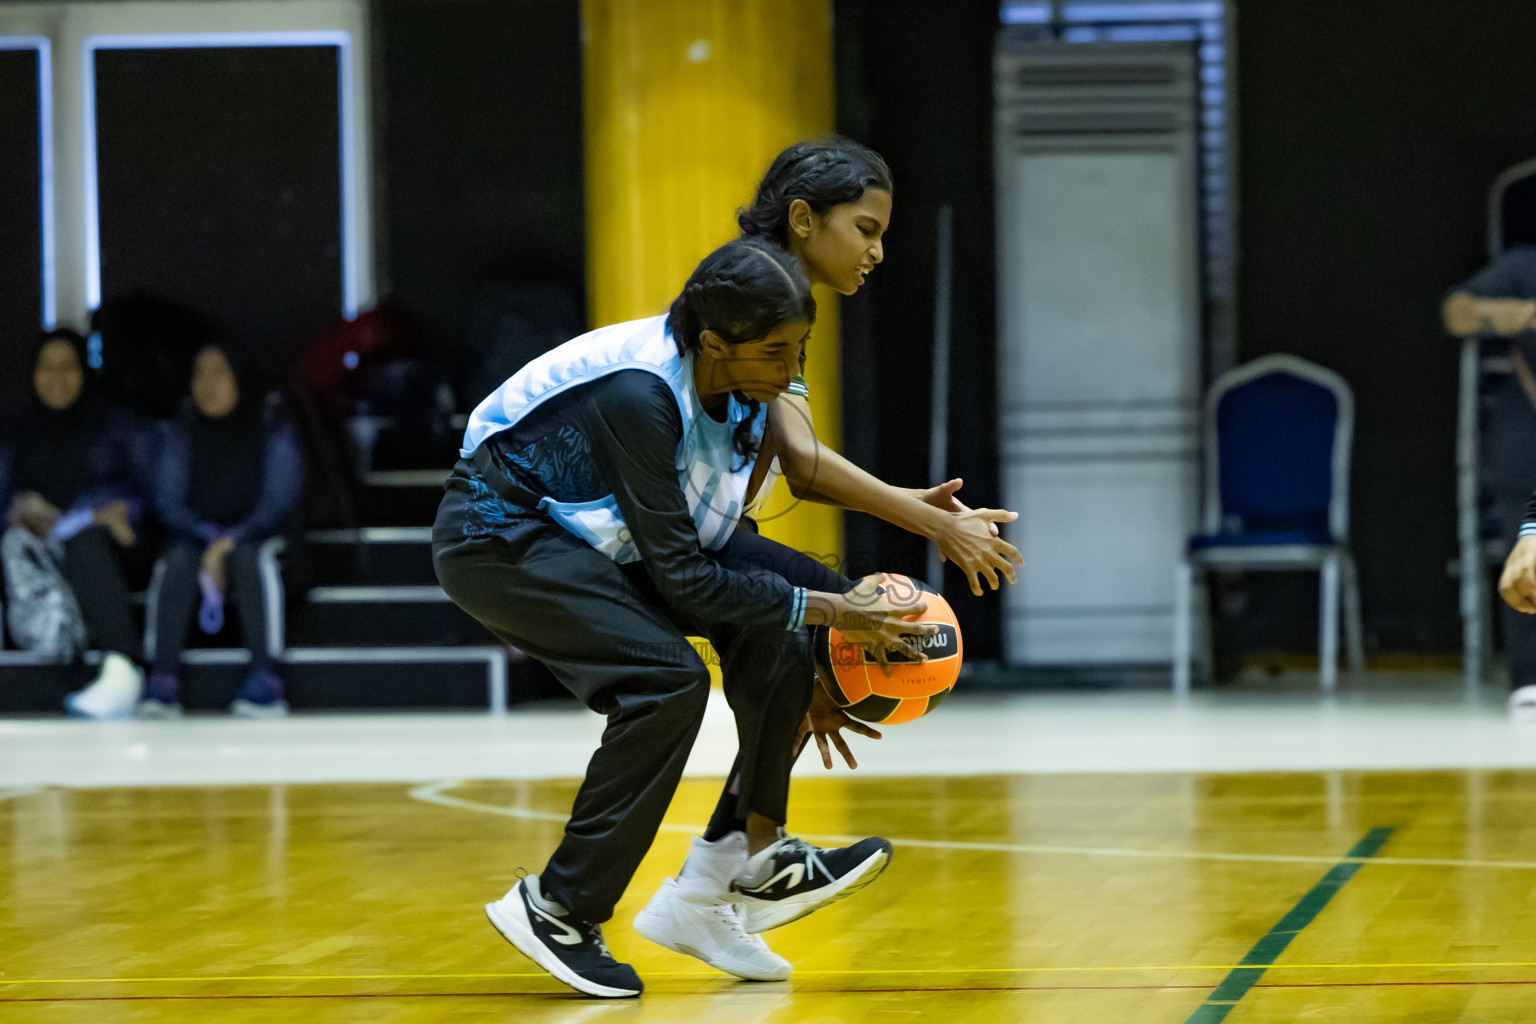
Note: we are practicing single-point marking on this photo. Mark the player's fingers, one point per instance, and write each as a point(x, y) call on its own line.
point(826, 755)
point(897, 644)
point(974, 579)
point(903, 644)
point(862, 729)
point(881, 659)
point(842, 748)
point(997, 515)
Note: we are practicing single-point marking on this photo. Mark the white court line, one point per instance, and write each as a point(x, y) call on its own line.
point(434, 793)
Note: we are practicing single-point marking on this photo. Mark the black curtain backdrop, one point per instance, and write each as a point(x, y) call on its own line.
point(482, 195)
point(21, 283)
point(1369, 133)
point(914, 81)
point(219, 175)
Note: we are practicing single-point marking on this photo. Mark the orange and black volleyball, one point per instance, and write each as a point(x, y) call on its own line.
point(859, 684)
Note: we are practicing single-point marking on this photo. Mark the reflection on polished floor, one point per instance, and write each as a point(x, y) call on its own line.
point(1359, 896)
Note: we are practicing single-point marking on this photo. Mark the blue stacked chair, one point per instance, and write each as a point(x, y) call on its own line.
point(1278, 436)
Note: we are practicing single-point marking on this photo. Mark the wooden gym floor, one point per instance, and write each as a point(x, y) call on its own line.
point(1105, 898)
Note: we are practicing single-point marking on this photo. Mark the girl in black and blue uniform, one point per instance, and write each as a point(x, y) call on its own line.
point(590, 524)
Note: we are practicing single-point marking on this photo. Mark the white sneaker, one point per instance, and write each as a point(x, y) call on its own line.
point(112, 694)
point(710, 867)
point(1522, 704)
point(700, 924)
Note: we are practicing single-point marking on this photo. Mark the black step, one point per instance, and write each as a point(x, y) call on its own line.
point(370, 557)
point(382, 624)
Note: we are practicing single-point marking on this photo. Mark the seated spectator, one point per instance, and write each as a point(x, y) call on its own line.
point(1497, 303)
point(227, 477)
point(69, 483)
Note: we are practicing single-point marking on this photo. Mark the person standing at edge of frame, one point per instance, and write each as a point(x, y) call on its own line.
point(1499, 303)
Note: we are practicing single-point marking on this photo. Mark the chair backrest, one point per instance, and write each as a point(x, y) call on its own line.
point(1512, 208)
point(1278, 434)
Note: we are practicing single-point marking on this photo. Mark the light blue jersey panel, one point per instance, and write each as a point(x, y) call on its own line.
point(707, 473)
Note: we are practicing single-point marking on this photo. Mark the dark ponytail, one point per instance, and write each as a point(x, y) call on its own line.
point(825, 172)
point(742, 291)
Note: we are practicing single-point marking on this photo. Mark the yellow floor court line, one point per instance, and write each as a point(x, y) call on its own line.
point(1127, 968)
point(436, 793)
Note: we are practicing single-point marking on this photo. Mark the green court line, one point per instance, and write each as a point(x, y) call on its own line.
point(1268, 949)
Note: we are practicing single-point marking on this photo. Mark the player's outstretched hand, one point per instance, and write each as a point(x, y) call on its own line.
point(970, 541)
point(979, 555)
point(824, 720)
point(1517, 584)
point(942, 496)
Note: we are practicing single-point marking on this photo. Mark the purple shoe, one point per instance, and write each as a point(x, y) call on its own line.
point(162, 697)
point(261, 697)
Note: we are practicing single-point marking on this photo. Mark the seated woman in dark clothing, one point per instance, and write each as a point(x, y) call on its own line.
point(227, 478)
point(71, 471)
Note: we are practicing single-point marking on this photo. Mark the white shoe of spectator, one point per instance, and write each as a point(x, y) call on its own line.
point(112, 694)
point(1522, 704)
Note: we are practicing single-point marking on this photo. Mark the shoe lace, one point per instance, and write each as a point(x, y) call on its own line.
point(730, 915)
point(812, 855)
point(594, 935)
point(591, 932)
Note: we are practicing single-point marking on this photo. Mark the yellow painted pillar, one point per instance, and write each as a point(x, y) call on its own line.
point(686, 102)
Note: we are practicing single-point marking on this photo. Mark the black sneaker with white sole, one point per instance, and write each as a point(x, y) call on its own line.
point(791, 878)
point(570, 949)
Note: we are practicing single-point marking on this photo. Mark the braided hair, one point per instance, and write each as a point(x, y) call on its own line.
point(825, 172)
point(742, 291)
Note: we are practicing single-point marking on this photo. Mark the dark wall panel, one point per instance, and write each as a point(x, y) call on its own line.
point(915, 82)
point(480, 166)
point(21, 269)
point(1369, 134)
point(219, 176)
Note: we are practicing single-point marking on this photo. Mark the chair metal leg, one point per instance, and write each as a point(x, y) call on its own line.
point(1354, 631)
point(272, 594)
point(1204, 627)
point(1474, 602)
point(1183, 625)
point(151, 609)
point(1328, 639)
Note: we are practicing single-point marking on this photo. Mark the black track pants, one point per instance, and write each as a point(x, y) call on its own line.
point(179, 597)
point(604, 633)
point(749, 549)
point(93, 567)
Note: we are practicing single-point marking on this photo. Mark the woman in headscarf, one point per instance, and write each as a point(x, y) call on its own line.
point(227, 478)
point(70, 479)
